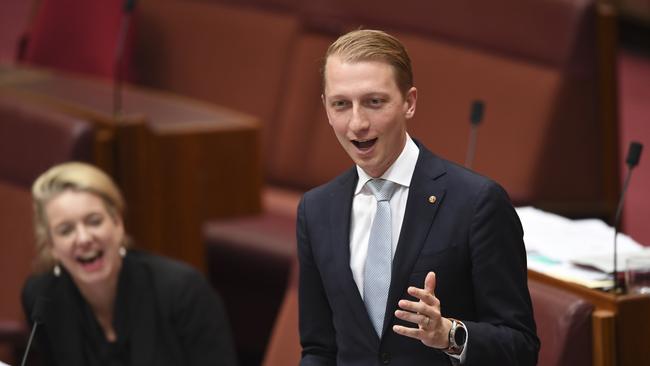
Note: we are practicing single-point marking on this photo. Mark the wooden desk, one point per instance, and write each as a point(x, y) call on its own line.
point(621, 324)
point(178, 161)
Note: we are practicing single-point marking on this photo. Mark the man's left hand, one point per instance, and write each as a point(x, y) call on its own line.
point(432, 329)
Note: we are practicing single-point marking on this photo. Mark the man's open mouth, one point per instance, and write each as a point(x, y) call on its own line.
point(366, 144)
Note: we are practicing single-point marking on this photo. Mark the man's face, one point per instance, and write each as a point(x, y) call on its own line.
point(367, 111)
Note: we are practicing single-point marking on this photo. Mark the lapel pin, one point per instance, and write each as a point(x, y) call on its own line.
point(432, 199)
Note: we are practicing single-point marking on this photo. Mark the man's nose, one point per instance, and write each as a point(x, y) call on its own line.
point(358, 119)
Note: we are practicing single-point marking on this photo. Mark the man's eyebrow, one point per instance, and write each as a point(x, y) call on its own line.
point(375, 94)
point(336, 96)
point(365, 95)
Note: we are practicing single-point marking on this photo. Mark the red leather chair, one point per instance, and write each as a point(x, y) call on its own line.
point(284, 345)
point(260, 279)
point(564, 326)
point(78, 36)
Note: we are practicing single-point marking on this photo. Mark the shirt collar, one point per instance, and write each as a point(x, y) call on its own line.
point(400, 172)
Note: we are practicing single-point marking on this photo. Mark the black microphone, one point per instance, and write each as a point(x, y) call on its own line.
point(38, 317)
point(127, 10)
point(632, 160)
point(128, 6)
point(475, 118)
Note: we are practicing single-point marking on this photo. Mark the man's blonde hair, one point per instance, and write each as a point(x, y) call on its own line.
point(74, 176)
point(373, 45)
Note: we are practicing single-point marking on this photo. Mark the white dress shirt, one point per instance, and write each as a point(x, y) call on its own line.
point(364, 206)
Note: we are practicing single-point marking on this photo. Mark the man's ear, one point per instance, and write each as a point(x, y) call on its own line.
point(411, 101)
point(322, 98)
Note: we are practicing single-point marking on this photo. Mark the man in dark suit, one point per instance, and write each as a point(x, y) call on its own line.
point(405, 259)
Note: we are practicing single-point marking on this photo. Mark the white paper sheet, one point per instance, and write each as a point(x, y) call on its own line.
point(563, 247)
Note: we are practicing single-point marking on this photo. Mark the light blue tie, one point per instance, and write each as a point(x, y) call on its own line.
point(377, 273)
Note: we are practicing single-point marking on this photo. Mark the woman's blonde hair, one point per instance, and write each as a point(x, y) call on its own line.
point(74, 176)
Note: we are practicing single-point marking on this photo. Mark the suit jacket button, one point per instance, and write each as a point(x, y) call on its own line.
point(385, 358)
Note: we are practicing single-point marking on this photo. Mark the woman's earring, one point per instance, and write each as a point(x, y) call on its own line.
point(122, 252)
point(56, 270)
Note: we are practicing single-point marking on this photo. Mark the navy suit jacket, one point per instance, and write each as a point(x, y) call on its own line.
point(470, 237)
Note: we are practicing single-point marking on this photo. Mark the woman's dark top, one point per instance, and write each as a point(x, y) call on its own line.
point(165, 313)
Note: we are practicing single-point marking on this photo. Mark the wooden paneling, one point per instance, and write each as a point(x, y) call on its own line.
point(604, 338)
point(177, 161)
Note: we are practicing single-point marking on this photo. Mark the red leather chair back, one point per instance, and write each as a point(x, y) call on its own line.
point(284, 345)
point(78, 36)
point(33, 138)
point(563, 326)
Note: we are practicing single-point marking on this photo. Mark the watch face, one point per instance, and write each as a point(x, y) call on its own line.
point(460, 335)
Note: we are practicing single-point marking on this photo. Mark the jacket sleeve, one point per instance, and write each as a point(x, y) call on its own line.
point(317, 335)
point(504, 332)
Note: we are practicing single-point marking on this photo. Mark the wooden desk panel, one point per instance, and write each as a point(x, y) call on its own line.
point(177, 161)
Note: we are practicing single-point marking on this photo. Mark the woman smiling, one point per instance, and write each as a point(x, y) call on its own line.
point(106, 304)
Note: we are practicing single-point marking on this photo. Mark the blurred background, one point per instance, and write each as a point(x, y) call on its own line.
point(208, 115)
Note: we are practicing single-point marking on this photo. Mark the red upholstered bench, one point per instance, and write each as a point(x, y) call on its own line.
point(564, 326)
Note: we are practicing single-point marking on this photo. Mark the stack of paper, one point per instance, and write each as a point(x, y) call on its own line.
point(580, 251)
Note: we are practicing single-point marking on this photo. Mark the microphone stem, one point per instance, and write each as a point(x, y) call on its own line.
point(471, 148)
point(118, 77)
point(29, 344)
point(617, 220)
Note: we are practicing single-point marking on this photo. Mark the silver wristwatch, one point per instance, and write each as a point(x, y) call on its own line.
point(457, 337)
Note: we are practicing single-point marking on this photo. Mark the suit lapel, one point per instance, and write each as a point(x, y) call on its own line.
point(418, 218)
point(341, 209)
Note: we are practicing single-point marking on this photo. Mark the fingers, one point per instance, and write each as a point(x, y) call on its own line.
point(434, 339)
point(430, 310)
point(425, 294)
point(420, 319)
point(425, 313)
point(428, 304)
point(415, 333)
point(430, 283)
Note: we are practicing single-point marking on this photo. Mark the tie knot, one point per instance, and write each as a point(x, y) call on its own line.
point(382, 189)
